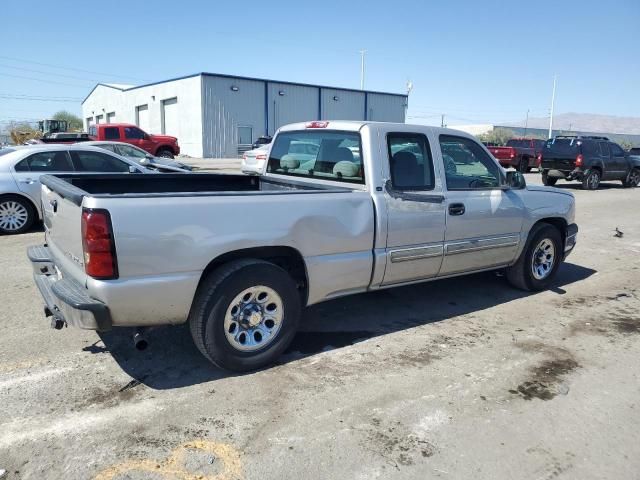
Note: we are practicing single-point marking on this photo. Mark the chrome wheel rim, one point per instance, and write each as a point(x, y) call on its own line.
point(594, 180)
point(13, 215)
point(253, 318)
point(634, 178)
point(543, 259)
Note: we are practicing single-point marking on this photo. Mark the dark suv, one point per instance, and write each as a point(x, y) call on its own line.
point(587, 159)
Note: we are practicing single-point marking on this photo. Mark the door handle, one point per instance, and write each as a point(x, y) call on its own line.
point(28, 181)
point(456, 209)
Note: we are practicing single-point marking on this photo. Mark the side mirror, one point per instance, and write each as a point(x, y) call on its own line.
point(515, 179)
point(145, 161)
point(133, 169)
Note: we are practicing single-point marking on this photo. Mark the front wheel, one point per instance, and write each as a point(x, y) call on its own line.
point(633, 179)
point(165, 153)
point(245, 314)
point(539, 261)
point(547, 180)
point(591, 180)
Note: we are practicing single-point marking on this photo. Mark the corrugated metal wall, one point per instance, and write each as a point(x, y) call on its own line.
point(290, 104)
point(225, 109)
point(342, 104)
point(386, 108)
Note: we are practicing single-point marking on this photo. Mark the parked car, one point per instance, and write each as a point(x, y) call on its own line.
point(520, 153)
point(238, 257)
point(22, 167)
point(156, 145)
point(263, 140)
point(254, 161)
point(145, 159)
point(588, 159)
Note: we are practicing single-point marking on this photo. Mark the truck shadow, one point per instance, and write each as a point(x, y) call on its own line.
point(172, 360)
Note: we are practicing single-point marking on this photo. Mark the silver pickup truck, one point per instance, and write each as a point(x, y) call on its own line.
point(376, 205)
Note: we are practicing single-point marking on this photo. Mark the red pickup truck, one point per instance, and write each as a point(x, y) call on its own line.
point(156, 145)
point(520, 153)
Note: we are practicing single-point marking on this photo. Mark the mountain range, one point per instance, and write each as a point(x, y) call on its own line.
point(587, 122)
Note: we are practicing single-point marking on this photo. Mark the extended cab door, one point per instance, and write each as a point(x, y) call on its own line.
point(483, 218)
point(415, 209)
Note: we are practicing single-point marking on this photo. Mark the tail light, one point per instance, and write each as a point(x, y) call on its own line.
point(262, 156)
point(539, 160)
point(98, 245)
point(579, 160)
point(244, 156)
point(317, 124)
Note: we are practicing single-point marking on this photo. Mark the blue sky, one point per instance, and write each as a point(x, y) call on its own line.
point(476, 62)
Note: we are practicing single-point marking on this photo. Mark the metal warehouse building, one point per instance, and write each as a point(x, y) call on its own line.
point(221, 115)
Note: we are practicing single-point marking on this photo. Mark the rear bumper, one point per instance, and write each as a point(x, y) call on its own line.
point(573, 174)
point(66, 300)
point(570, 240)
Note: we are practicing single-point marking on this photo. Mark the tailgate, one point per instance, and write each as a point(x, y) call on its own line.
point(558, 161)
point(62, 222)
point(501, 153)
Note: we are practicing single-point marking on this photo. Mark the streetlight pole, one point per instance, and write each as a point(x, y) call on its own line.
point(526, 124)
point(553, 99)
point(362, 52)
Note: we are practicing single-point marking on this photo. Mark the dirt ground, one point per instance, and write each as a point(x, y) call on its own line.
point(456, 379)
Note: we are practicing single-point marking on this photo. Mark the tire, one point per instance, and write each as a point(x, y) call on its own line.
point(17, 215)
point(525, 273)
point(547, 180)
point(632, 180)
point(523, 165)
point(165, 153)
point(591, 181)
point(218, 332)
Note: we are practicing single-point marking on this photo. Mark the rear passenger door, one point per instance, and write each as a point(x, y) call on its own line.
point(27, 172)
point(415, 210)
point(483, 218)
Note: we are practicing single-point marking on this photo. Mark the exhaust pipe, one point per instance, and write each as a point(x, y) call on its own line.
point(139, 340)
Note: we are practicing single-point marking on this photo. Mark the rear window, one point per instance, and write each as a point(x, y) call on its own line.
point(519, 143)
point(563, 145)
point(324, 154)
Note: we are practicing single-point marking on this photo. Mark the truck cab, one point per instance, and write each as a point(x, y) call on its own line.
point(156, 145)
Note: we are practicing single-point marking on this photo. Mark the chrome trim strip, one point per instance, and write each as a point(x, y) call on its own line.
point(454, 248)
point(415, 253)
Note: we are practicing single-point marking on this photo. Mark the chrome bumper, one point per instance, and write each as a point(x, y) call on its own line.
point(66, 301)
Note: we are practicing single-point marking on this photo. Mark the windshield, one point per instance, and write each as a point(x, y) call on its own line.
point(325, 154)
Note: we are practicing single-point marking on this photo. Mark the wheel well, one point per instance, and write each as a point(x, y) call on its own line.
point(598, 168)
point(558, 222)
point(162, 148)
point(22, 197)
point(287, 258)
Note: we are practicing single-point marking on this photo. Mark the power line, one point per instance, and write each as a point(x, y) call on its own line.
point(28, 96)
point(50, 73)
point(60, 67)
point(44, 81)
point(41, 99)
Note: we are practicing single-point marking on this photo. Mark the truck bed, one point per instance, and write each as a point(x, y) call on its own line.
point(75, 187)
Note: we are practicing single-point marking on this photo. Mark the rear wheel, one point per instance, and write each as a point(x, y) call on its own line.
point(165, 153)
point(633, 179)
point(16, 214)
point(547, 180)
point(539, 261)
point(591, 180)
point(245, 314)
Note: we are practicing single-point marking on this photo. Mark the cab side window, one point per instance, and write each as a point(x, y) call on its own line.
point(616, 150)
point(45, 162)
point(410, 162)
point(134, 133)
point(86, 161)
point(467, 165)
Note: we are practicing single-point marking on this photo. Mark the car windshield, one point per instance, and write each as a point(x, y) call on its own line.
point(563, 145)
point(324, 154)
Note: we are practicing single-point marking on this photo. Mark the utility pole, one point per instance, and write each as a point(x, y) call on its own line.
point(526, 124)
point(553, 99)
point(362, 52)
point(442, 121)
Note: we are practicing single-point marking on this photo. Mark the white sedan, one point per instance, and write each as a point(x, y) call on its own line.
point(255, 161)
point(21, 168)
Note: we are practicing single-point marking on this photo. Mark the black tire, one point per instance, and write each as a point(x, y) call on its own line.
point(523, 165)
point(521, 274)
point(165, 153)
point(547, 180)
point(591, 181)
point(20, 207)
point(632, 180)
point(214, 298)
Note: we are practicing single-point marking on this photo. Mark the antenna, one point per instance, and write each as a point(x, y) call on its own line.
point(362, 52)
